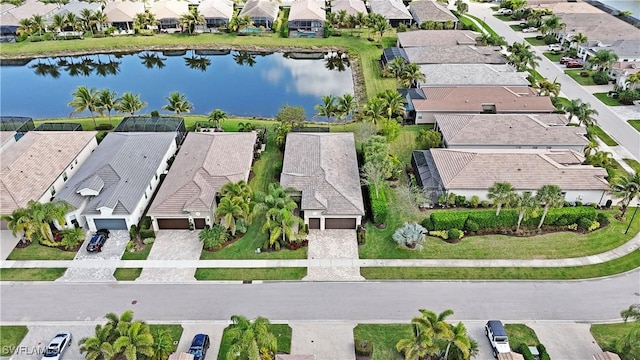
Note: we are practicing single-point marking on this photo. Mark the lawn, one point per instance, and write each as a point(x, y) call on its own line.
point(31, 274)
point(607, 334)
point(174, 330)
point(35, 251)
point(384, 338)
point(635, 124)
point(138, 255)
point(503, 17)
point(466, 21)
point(553, 56)
point(609, 101)
point(280, 273)
point(519, 333)
point(518, 28)
point(634, 164)
point(281, 331)
point(127, 274)
point(483, 24)
point(10, 338)
point(533, 41)
point(582, 80)
point(603, 135)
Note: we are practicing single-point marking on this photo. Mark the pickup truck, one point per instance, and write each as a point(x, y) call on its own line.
point(497, 337)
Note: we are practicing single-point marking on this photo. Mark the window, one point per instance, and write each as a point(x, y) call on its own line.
point(548, 147)
point(145, 195)
point(52, 190)
point(64, 176)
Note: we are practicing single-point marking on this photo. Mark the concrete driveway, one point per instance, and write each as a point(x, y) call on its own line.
point(567, 341)
point(113, 249)
point(329, 254)
point(327, 341)
point(38, 337)
point(173, 245)
point(214, 330)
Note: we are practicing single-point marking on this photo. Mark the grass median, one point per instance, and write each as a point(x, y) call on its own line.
point(251, 274)
point(635, 124)
point(603, 135)
point(127, 274)
point(605, 99)
point(31, 274)
point(10, 338)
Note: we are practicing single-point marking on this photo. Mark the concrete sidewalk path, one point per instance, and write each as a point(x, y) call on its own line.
point(327, 341)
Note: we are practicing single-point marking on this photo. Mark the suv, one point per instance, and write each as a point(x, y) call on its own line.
point(497, 337)
point(199, 346)
point(97, 240)
point(57, 346)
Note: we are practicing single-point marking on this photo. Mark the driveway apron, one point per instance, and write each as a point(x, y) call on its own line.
point(113, 249)
point(333, 256)
point(567, 341)
point(214, 330)
point(327, 341)
point(173, 245)
point(38, 337)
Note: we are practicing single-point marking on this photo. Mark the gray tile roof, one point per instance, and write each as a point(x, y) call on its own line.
point(437, 37)
point(454, 54)
point(390, 9)
point(126, 163)
point(425, 10)
point(598, 26)
point(509, 129)
point(625, 49)
point(324, 167)
point(216, 9)
point(472, 74)
point(307, 10)
point(261, 9)
point(123, 11)
point(352, 7)
point(462, 99)
point(205, 163)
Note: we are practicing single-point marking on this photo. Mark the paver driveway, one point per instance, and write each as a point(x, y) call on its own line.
point(327, 251)
point(173, 245)
point(38, 338)
point(112, 250)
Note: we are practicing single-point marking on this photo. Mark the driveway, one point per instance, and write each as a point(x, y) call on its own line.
point(330, 256)
point(8, 242)
point(567, 341)
point(327, 341)
point(214, 330)
point(113, 249)
point(173, 245)
point(38, 337)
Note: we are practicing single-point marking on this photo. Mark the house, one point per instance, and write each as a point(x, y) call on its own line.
point(7, 138)
point(479, 99)
point(394, 11)
point(114, 186)
point(121, 14)
point(421, 38)
point(454, 54)
point(262, 12)
point(168, 13)
point(431, 10)
point(472, 172)
point(472, 75)
point(162, 123)
point(206, 162)
point(307, 16)
point(39, 164)
point(627, 50)
point(621, 71)
point(18, 124)
point(510, 131)
point(322, 169)
point(351, 7)
point(76, 8)
point(217, 13)
point(27, 10)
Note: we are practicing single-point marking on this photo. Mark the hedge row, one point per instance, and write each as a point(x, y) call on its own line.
point(379, 208)
point(487, 219)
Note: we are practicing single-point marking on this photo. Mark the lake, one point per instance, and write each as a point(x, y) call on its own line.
point(238, 82)
point(625, 5)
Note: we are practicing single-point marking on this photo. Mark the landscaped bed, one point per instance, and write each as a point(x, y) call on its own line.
point(582, 80)
point(384, 338)
point(603, 136)
point(35, 251)
point(250, 274)
point(281, 331)
point(31, 274)
point(635, 124)
point(10, 338)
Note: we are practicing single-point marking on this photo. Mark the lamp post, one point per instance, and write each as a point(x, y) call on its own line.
point(632, 217)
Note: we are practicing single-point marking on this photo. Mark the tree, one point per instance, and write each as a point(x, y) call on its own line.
point(25, 27)
point(378, 24)
point(72, 237)
point(457, 342)
point(522, 55)
point(374, 110)
point(86, 99)
point(134, 342)
point(501, 193)
point(292, 115)
point(394, 68)
point(162, 345)
point(57, 23)
point(547, 87)
point(600, 159)
point(572, 108)
point(129, 103)
point(191, 19)
point(217, 117)
point(232, 209)
point(97, 346)
point(373, 175)
point(37, 24)
point(526, 204)
point(280, 131)
point(107, 100)
point(327, 108)
point(251, 339)
point(428, 330)
point(602, 59)
point(410, 235)
point(19, 222)
point(626, 188)
point(280, 222)
point(579, 39)
point(411, 75)
point(121, 338)
point(551, 25)
point(428, 138)
point(551, 197)
point(462, 7)
point(346, 106)
point(393, 103)
point(87, 19)
point(586, 114)
point(177, 103)
point(237, 189)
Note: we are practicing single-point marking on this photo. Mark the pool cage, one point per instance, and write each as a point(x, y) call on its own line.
point(54, 126)
point(154, 124)
point(20, 124)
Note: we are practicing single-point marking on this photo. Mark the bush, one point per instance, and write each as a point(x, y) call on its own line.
point(584, 223)
point(594, 226)
point(550, 39)
point(471, 226)
point(578, 203)
point(133, 232)
point(602, 218)
point(145, 222)
point(401, 28)
point(584, 74)
point(131, 246)
point(475, 201)
point(148, 241)
point(544, 355)
point(147, 233)
point(241, 226)
point(487, 219)
point(427, 224)
point(410, 235)
point(526, 353)
point(485, 203)
point(460, 200)
point(379, 206)
point(213, 237)
point(601, 78)
point(455, 234)
point(443, 234)
point(363, 347)
point(100, 136)
point(104, 127)
point(444, 220)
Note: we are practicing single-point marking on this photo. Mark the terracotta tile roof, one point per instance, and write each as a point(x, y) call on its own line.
point(205, 163)
point(454, 54)
point(437, 37)
point(471, 98)
point(31, 165)
point(425, 10)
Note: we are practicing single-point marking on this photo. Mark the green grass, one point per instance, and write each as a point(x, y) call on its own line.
point(635, 165)
point(281, 273)
point(609, 101)
point(384, 338)
point(575, 75)
point(35, 251)
point(564, 101)
point(10, 338)
point(282, 332)
point(466, 21)
point(536, 74)
point(174, 330)
point(603, 136)
point(503, 17)
point(553, 56)
point(517, 28)
point(635, 124)
point(533, 41)
point(31, 274)
point(138, 255)
point(519, 333)
point(483, 24)
point(607, 334)
point(127, 274)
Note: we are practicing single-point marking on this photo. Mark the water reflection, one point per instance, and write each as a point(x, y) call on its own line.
point(84, 66)
point(197, 62)
point(152, 60)
point(245, 58)
point(338, 61)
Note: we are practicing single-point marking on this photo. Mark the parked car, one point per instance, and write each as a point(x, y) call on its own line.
point(199, 346)
point(57, 346)
point(497, 337)
point(505, 11)
point(573, 64)
point(97, 240)
point(555, 47)
point(530, 29)
point(566, 59)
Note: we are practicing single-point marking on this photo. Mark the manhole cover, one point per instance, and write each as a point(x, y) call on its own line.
point(134, 302)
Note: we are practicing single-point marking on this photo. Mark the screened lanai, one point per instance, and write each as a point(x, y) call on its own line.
point(154, 124)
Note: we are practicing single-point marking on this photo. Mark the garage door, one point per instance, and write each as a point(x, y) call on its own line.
point(314, 223)
point(200, 223)
point(111, 224)
point(340, 223)
point(173, 224)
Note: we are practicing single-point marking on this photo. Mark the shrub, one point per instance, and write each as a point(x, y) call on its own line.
point(460, 200)
point(241, 226)
point(131, 246)
point(594, 226)
point(427, 224)
point(72, 237)
point(100, 136)
point(573, 227)
point(601, 78)
point(584, 223)
point(471, 226)
point(443, 234)
point(363, 347)
point(455, 234)
point(550, 39)
point(104, 127)
point(578, 203)
point(379, 206)
point(133, 232)
point(410, 235)
point(213, 237)
point(147, 233)
point(475, 201)
point(544, 355)
point(485, 203)
point(145, 222)
point(444, 220)
point(526, 353)
point(602, 218)
point(362, 234)
point(584, 74)
point(148, 241)
point(401, 28)
point(487, 219)
point(562, 221)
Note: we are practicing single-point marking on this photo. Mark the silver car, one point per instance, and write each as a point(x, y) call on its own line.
point(57, 346)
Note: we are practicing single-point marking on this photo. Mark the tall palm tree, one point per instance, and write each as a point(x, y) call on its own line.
point(162, 345)
point(551, 197)
point(572, 108)
point(579, 39)
point(98, 346)
point(591, 148)
point(282, 227)
point(178, 103)
point(626, 188)
point(37, 22)
point(551, 25)
point(217, 117)
point(130, 103)
point(191, 19)
point(411, 76)
point(394, 68)
point(586, 114)
point(374, 110)
point(232, 209)
point(501, 193)
point(87, 19)
point(547, 87)
point(100, 19)
point(72, 21)
point(251, 339)
point(521, 55)
point(237, 189)
point(346, 106)
point(327, 107)
point(25, 27)
point(428, 330)
point(602, 59)
point(393, 103)
point(107, 99)
point(457, 341)
point(86, 99)
point(57, 23)
point(600, 159)
point(632, 80)
point(136, 342)
point(20, 223)
point(526, 204)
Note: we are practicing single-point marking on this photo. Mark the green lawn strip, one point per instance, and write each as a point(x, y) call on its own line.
point(635, 124)
point(617, 266)
point(468, 23)
point(564, 101)
point(607, 334)
point(174, 330)
point(609, 101)
point(384, 338)
point(520, 333)
point(518, 28)
point(127, 274)
point(575, 75)
point(483, 24)
point(532, 40)
point(281, 273)
point(35, 251)
point(618, 170)
point(634, 164)
point(553, 56)
point(31, 274)
point(282, 332)
point(10, 338)
point(603, 136)
point(536, 74)
point(503, 17)
point(138, 255)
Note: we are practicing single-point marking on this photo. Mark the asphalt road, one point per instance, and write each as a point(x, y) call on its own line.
point(587, 300)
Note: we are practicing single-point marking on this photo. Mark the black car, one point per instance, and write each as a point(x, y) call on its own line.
point(199, 346)
point(97, 240)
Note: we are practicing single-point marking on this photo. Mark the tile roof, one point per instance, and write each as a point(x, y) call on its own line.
point(205, 163)
point(471, 98)
point(307, 10)
point(437, 37)
point(123, 11)
point(352, 7)
point(75, 7)
point(524, 169)
point(390, 9)
point(125, 163)
point(216, 9)
point(324, 167)
point(30, 166)
point(425, 10)
point(629, 49)
point(27, 10)
point(472, 75)
point(169, 9)
point(454, 54)
point(6, 136)
point(260, 9)
point(509, 129)
point(598, 26)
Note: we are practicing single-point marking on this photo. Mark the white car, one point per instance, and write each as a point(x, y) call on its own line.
point(505, 11)
point(497, 337)
point(530, 29)
point(555, 47)
point(57, 346)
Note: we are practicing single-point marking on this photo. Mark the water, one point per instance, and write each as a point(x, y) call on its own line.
point(239, 83)
point(624, 5)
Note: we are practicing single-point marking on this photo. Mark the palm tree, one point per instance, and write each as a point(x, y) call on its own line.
point(87, 19)
point(25, 27)
point(72, 21)
point(579, 39)
point(591, 148)
point(237, 189)
point(393, 103)
point(374, 110)
point(251, 339)
point(217, 117)
point(458, 341)
point(394, 68)
point(57, 22)
point(551, 197)
point(98, 346)
point(38, 24)
point(602, 59)
point(136, 342)
point(547, 87)
point(162, 345)
point(632, 80)
point(585, 114)
point(232, 209)
point(19, 222)
point(526, 204)
point(412, 75)
point(177, 103)
point(600, 159)
point(572, 108)
point(100, 19)
point(428, 330)
point(282, 227)
point(107, 99)
point(346, 106)
point(626, 188)
point(86, 99)
point(378, 24)
point(192, 19)
point(521, 55)
point(551, 24)
point(129, 103)
point(462, 6)
point(501, 193)
point(327, 108)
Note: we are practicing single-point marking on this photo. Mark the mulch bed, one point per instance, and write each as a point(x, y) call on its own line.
point(225, 244)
